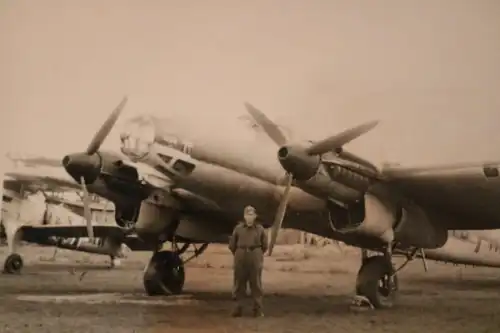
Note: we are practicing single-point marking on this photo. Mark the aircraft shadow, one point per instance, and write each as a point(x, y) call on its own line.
point(454, 283)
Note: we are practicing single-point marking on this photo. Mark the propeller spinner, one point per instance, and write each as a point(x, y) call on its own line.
point(85, 167)
point(295, 159)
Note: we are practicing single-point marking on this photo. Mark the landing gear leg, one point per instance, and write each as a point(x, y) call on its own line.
point(364, 255)
point(115, 247)
point(114, 262)
point(377, 280)
point(54, 255)
point(14, 262)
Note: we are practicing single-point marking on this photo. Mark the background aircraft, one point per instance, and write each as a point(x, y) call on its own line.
point(165, 188)
point(485, 240)
point(30, 213)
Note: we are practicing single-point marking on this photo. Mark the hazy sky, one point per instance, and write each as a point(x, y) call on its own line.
point(428, 69)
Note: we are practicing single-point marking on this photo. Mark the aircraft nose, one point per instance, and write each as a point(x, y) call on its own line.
point(82, 165)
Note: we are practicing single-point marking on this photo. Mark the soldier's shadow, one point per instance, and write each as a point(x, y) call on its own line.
point(281, 305)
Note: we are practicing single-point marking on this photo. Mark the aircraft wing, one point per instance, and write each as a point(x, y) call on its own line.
point(34, 232)
point(471, 193)
point(33, 181)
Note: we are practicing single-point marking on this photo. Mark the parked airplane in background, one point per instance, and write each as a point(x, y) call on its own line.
point(24, 218)
point(485, 240)
point(461, 249)
point(165, 188)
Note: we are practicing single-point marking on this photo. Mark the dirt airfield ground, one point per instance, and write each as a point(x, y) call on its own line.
point(308, 290)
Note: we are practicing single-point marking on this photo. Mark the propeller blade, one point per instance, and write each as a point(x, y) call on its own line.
point(106, 127)
point(271, 129)
point(337, 141)
point(86, 210)
point(280, 214)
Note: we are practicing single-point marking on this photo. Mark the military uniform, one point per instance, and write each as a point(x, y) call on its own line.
point(248, 245)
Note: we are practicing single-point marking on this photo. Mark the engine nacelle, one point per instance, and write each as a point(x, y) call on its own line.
point(389, 220)
point(152, 217)
point(368, 217)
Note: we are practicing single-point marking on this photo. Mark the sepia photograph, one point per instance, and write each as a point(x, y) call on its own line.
point(250, 166)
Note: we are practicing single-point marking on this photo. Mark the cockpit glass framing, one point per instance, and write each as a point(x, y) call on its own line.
point(137, 137)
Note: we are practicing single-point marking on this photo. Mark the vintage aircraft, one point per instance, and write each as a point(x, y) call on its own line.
point(489, 238)
point(461, 249)
point(165, 188)
point(40, 221)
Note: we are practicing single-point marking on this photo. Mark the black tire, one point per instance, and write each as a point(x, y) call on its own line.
point(13, 264)
point(3, 234)
point(370, 282)
point(164, 274)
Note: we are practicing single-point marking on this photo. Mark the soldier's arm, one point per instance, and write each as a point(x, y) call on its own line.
point(233, 240)
point(264, 240)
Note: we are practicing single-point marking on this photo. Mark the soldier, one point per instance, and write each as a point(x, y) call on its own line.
point(248, 244)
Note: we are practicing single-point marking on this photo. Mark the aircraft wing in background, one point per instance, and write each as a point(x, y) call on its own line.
point(34, 180)
point(32, 233)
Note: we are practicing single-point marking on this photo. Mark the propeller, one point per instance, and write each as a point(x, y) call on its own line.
point(280, 214)
point(274, 132)
point(86, 210)
point(271, 129)
point(106, 127)
point(335, 142)
point(87, 164)
point(84, 167)
point(332, 143)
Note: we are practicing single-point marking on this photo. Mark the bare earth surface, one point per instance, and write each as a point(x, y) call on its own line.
point(308, 290)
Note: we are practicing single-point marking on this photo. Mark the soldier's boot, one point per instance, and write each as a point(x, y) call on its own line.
point(257, 307)
point(258, 313)
point(237, 311)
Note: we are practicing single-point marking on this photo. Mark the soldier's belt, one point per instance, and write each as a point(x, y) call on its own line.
point(249, 248)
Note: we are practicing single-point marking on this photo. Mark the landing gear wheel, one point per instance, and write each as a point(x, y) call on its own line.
point(164, 275)
point(13, 264)
point(375, 283)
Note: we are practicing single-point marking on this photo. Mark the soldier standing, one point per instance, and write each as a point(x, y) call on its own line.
point(248, 244)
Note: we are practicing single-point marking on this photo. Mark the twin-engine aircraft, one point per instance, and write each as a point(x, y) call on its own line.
point(167, 189)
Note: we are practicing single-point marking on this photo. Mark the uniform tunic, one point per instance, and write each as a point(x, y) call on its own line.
point(248, 245)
